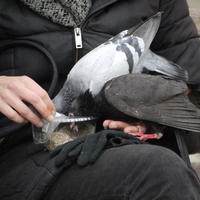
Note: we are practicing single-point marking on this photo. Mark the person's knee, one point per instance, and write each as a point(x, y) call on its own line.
point(158, 167)
point(159, 160)
point(166, 162)
point(162, 157)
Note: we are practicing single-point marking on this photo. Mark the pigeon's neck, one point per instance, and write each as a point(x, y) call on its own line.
point(97, 106)
point(86, 105)
point(106, 110)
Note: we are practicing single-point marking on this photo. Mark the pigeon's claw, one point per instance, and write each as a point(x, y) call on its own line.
point(74, 127)
point(71, 114)
point(145, 136)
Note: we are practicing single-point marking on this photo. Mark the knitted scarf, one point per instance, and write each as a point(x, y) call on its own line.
point(65, 12)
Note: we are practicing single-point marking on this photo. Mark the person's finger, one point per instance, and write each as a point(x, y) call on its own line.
point(136, 128)
point(106, 123)
point(39, 105)
point(28, 90)
point(126, 127)
point(16, 110)
point(111, 124)
point(15, 91)
point(37, 89)
point(131, 129)
point(11, 114)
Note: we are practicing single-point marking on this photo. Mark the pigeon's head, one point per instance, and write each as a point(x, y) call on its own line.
point(66, 96)
point(78, 109)
point(62, 102)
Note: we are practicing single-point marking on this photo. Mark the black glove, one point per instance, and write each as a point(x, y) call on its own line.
point(87, 149)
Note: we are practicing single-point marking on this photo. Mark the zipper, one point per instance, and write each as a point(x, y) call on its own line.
point(78, 38)
point(77, 30)
point(78, 41)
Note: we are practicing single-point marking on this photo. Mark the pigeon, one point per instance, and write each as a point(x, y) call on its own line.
point(142, 97)
point(127, 52)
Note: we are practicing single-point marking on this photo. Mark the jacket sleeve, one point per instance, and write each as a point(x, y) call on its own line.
point(178, 39)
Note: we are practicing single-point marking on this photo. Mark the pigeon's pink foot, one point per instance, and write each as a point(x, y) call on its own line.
point(145, 136)
point(73, 126)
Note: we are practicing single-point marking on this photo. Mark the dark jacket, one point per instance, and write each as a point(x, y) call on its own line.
point(177, 40)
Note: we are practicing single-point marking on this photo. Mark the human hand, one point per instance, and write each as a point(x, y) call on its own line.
point(140, 130)
point(126, 127)
point(15, 91)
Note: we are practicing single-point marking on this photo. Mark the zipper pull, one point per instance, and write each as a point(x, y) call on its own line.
point(78, 38)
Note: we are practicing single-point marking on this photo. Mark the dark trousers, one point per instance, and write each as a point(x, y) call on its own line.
point(136, 172)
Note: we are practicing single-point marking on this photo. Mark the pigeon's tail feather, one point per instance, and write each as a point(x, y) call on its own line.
point(147, 29)
point(169, 68)
point(176, 73)
point(187, 118)
point(159, 64)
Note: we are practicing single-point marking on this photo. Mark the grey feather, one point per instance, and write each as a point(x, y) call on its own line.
point(156, 63)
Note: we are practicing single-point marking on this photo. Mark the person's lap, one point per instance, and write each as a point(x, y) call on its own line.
point(128, 172)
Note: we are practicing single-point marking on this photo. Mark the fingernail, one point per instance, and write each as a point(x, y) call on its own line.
point(40, 124)
point(50, 118)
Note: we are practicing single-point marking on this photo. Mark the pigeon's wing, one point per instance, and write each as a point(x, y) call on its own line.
point(156, 63)
point(153, 98)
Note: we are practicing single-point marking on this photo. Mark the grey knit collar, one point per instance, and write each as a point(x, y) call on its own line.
point(65, 12)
